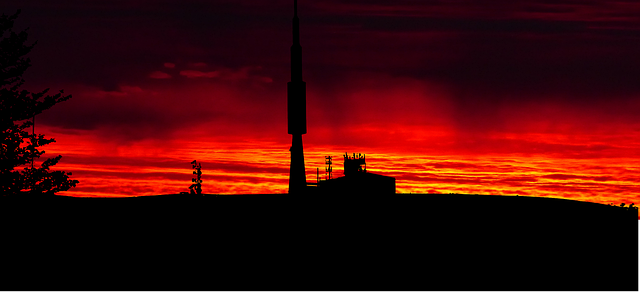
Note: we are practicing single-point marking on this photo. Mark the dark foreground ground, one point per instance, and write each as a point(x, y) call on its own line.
point(501, 212)
point(325, 240)
point(474, 217)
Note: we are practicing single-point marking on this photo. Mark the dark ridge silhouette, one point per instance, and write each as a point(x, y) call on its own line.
point(414, 213)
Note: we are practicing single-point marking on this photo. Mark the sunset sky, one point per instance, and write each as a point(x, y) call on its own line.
point(536, 98)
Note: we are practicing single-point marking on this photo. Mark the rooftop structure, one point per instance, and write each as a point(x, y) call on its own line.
point(357, 180)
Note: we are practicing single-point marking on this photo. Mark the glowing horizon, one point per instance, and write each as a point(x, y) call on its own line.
point(261, 166)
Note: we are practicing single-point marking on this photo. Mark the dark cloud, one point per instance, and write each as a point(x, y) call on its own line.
point(159, 75)
point(133, 113)
point(197, 74)
point(488, 53)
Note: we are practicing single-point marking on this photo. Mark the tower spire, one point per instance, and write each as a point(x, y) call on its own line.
point(296, 49)
point(296, 110)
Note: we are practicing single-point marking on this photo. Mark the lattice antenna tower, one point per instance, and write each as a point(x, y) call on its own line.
point(196, 187)
point(328, 167)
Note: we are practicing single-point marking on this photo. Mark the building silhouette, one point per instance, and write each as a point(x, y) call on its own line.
point(357, 180)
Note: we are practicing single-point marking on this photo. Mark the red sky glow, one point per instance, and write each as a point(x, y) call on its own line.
point(528, 98)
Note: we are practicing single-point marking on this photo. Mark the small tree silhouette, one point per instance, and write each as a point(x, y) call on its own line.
point(196, 188)
point(18, 109)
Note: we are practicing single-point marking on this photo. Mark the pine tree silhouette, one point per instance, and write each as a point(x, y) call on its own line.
point(18, 109)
